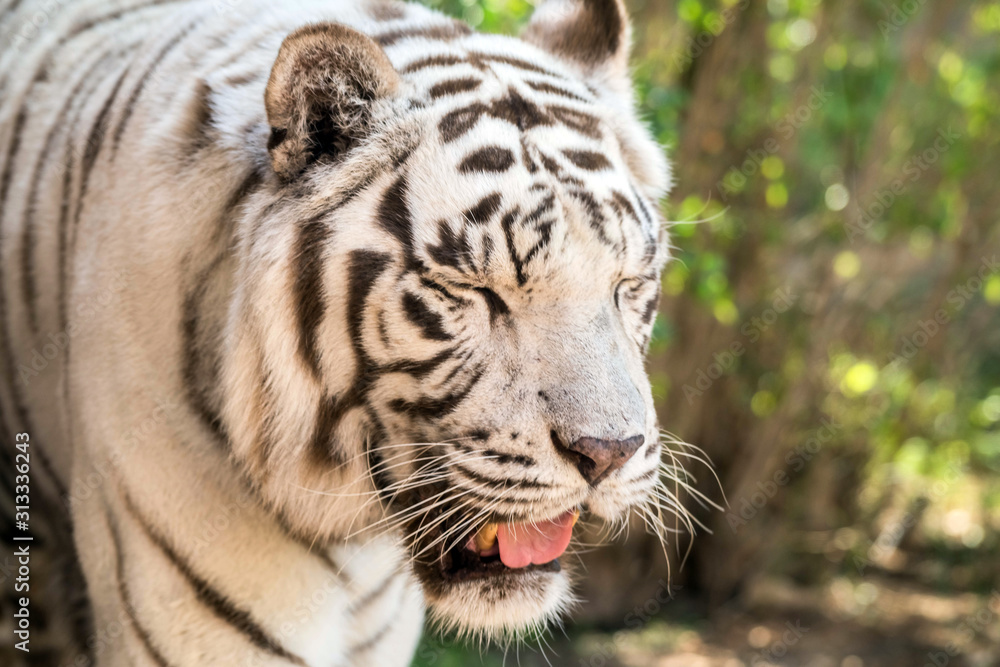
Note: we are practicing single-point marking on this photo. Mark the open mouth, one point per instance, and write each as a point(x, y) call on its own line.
point(498, 549)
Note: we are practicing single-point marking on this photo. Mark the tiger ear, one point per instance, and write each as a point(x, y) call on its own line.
point(320, 95)
point(594, 34)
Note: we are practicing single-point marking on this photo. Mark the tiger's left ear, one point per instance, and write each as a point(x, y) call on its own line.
point(593, 34)
point(319, 99)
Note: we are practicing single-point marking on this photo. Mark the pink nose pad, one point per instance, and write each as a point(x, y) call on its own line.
point(596, 458)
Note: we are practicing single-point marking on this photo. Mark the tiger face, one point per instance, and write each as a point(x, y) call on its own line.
point(529, 284)
point(471, 240)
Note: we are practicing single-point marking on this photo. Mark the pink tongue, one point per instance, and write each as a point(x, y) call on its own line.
point(525, 543)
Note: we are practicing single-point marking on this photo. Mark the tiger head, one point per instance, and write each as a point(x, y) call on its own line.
point(447, 291)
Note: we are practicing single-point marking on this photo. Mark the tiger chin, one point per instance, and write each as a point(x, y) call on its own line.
point(356, 300)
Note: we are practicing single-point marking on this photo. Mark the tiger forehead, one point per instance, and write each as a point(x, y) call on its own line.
point(518, 166)
point(498, 204)
point(523, 102)
point(522, 234)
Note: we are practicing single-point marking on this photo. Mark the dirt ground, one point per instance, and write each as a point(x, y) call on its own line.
point(877, 623)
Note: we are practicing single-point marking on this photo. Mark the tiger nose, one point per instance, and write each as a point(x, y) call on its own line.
point(596, 458)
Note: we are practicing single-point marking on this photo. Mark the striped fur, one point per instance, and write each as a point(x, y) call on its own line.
point(275, 316)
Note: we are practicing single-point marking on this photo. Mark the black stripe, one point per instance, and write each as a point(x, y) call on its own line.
point(192, 355)
point(9, 364)
point(587, 160)
point(482, 212)
point(456, 123)
point(507, 224)
point(649, 474)
point(323, 448)
point(416, 368)
point(66, 245)
point(93, 23)
point(85, 26)
point(435, 408)
point(462, 359)
point(452, 249)
point(492, 501)
point(12, 150)
point(650, 310)
point(364, 268)
point(519, 112)
point(137, 91)
point(595, 215)
point(239, 619)
point(489, 159)
point(307, 543)
point(371, 596)
point(199, 128)
point(505, 458)
point(28, 226)
point(446, 32)
point(624, 206)
point(543, 87)
point(431, 324)
point(394, 215)
point(642, 206)
point(385, 10)
point(529, 162)
point(454, 87)
point(92, 149)
point(512, 108)
point(263, 405)
point(500, 483)
point(544, 207)
point(191, 316)
point(583, 123)
point(498, 307)
point(20, 407)
point(514, 62)
point(309, 292)
point(433, 61)
point(125, 595)
point(379, 476)
point(62, 226)
point(370, 643)
point(443, 291)
point(236, 80)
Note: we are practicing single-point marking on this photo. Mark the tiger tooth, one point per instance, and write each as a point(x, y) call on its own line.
point(487, 537)
point(576, 517)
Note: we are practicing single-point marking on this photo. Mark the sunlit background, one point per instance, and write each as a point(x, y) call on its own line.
point(829, 336)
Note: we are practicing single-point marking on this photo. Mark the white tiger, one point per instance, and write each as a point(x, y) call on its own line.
point(320, 312)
